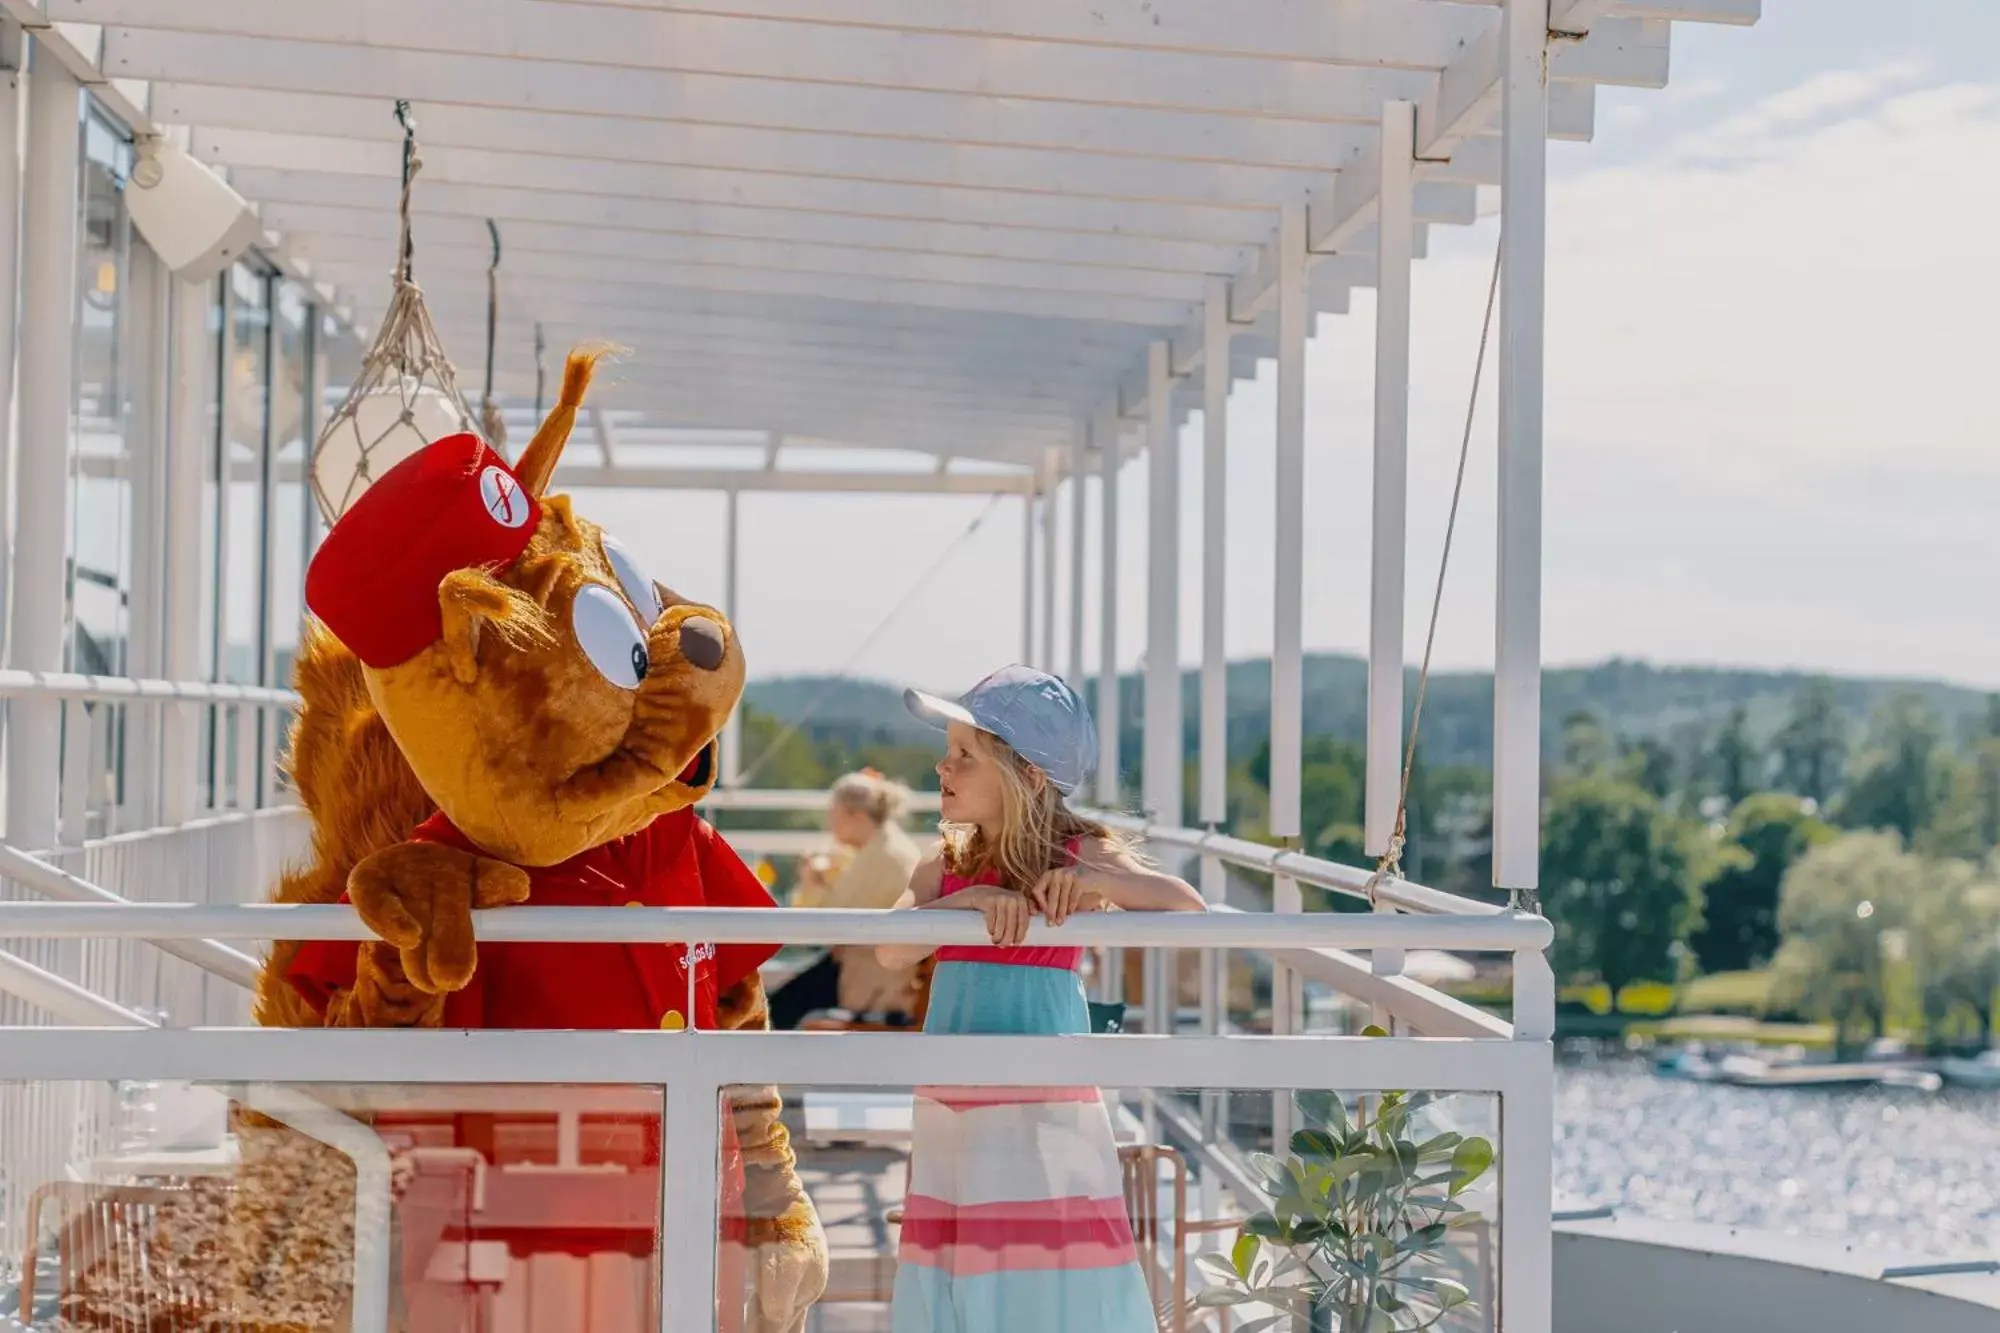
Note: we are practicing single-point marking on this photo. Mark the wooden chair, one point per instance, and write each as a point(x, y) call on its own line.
point(111, 1272)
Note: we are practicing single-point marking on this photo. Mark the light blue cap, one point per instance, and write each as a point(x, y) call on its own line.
point(1042, 718)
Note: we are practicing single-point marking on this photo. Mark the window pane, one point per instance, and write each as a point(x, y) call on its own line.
point(291, 379)
point(100, 569)
point(246, 404)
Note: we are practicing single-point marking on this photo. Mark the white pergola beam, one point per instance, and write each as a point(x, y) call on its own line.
point(507, 44)
point(756, 479)
point(359, 273)
point(732, 147)
point(344, 205)
point(545, 251)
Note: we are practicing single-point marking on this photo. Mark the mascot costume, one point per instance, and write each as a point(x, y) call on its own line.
point(500, 708)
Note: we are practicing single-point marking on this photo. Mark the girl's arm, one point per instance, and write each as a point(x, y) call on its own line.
point(925, 881)
point(1106, 877)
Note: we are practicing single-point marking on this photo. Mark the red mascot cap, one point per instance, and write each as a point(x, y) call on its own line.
point(454, 504)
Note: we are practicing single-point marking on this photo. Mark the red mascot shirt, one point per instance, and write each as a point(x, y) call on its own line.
point(677, 861)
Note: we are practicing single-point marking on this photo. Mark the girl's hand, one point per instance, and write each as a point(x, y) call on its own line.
point(1007, 916)
point(1060, 894)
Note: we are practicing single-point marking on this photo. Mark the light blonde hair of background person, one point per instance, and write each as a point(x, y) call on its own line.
point(883, 800)
point(1036, 827)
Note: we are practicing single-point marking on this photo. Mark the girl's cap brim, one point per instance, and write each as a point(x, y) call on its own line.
point(940, 713)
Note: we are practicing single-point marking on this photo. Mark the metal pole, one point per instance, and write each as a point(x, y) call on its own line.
point(1214, 494)
point(1077, 523)
point(1111, 446)
point(1052, 480)
point(1392, 437)
point(1527, 1250)
point(1517, 673)
point(732, 729)
point(48, 383)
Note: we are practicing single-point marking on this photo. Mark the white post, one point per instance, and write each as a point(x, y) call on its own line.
point(1051, 480)
point(1527, 1249)
point(11, 51)
point(48, 384)
point(1111, 446)
point(1214, 494)
point(1077, 523)
point(732, 729)
point(192, 380)
point(1160, 790)
point(1517, 670)
point(1028, 578)
point(1392, 438)
point(1287, 649)
point(151, 340)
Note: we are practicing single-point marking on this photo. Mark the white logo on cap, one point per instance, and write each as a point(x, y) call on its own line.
point(502, 497)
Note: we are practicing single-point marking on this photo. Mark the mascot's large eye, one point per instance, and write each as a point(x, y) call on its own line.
point(610, 637)
point(634, 580)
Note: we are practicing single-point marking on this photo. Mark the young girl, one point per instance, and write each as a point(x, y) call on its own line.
point(1015, 1218)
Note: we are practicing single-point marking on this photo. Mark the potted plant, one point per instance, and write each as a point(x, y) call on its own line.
point(1360, 1218)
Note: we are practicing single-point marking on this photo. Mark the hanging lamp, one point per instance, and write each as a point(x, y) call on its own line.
point(406, 395)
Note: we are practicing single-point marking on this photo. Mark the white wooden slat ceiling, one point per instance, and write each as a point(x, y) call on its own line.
point(948, 225)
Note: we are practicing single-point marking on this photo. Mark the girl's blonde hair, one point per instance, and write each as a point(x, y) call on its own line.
point(1036, 827)
point(883, 800)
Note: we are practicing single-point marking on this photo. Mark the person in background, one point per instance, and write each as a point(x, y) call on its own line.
point(871, 870)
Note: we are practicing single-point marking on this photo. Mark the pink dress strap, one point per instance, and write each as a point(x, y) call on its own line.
point(1062, 959)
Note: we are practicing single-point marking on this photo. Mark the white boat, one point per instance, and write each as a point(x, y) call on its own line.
point(1979, 1071)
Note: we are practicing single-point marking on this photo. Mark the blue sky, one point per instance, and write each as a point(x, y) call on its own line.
point(1772, 432)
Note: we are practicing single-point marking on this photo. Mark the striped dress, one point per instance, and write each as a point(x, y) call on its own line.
point(1015, 1219)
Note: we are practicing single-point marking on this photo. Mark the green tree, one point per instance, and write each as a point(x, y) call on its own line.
point(1622, 881)
point(1954, 947)
point(1736, 763)
point(1835, 912)
point(1812, 743)
point(1586, 746)
point(1894, 784)
point(1771, 830)
point(1651, 764)
point(1966, 822)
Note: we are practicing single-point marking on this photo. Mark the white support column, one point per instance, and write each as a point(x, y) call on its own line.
point(1078, 521)
point(191, 369)
point(1527, 1250)
point(1392, 481)
point(149, 431)
point(1287, 671)
point(1160, 790)
point(1287, 646)
point(48, 386)
point(1111, 448)
point(1051, 481)
point(1214, 564)
point(11, 52)
point(732, 729)
point(1517, 672)
point(1028, 578)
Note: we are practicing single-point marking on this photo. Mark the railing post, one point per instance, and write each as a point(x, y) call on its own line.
point(47, 383)
point(1051, 483)
point(732, 728)
point(1028, 575)
point(1077, 521)
point(192, 371)
point(691, 1145)
point(12, 51)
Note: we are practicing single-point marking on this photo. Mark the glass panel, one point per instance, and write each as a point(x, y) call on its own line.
point(246, 400)
point(291, 380)
point(1075, 1210)
point(184, 1206)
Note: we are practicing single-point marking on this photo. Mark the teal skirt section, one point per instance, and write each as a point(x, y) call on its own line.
point(1100, 1300)
point(1001, 997)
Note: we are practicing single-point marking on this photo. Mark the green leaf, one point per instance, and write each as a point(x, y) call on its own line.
point(1315, 1145)
point(1375, 1030)
point(1422, 1238)
point(1264, 1225)
point(1386, 1299)
point(1275, 1176)
point(1439, 1148)
point(1217, 1267)
point(1469, 1162)
point(1245, 1251)
point(1215, 1298)
point(1450, 1295)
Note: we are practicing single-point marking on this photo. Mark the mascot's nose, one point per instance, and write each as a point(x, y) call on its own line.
point(701, 642)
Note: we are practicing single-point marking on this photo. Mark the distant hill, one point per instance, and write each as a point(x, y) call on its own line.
point(1633, 699)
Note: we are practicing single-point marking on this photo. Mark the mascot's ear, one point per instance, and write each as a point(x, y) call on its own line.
point(473, 602)
point(537, 462)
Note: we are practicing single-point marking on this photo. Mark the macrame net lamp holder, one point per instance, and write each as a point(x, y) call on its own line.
point(406, 395)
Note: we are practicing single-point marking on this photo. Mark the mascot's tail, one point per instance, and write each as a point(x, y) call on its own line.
point(358, 788)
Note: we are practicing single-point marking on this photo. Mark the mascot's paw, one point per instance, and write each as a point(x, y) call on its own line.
point(788, 1269)
point(420, 896)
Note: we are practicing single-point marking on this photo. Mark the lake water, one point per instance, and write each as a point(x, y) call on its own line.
point(1900, 1170)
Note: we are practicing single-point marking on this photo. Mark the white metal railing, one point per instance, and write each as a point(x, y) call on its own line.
point(142, 753)
point(694, 1070)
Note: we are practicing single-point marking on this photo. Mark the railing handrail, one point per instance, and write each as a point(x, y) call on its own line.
point(1493, 933)
point(16, 684)
point(794, 800)
point(1350, 880)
